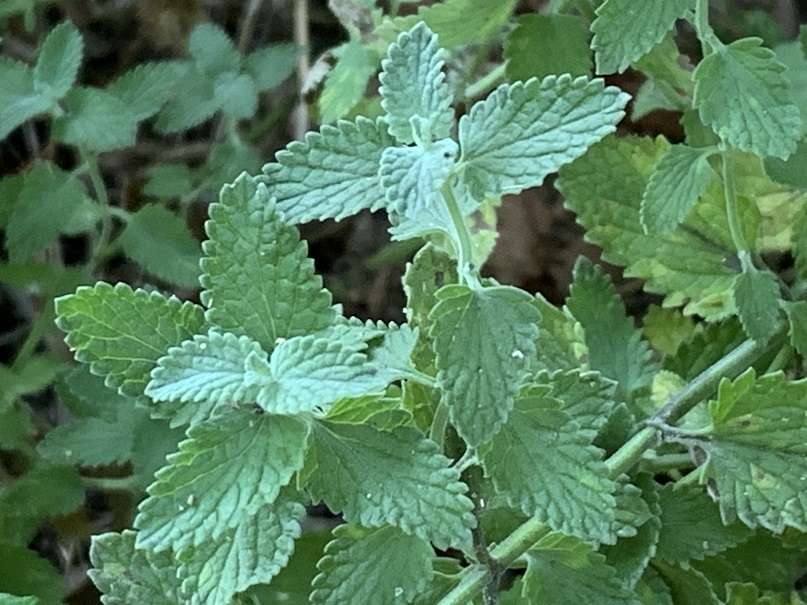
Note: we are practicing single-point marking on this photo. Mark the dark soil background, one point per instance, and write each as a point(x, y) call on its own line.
point(538, 244)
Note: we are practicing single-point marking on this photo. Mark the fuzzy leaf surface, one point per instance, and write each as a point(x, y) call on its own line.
point(396, 477)
point(587, 397)
point(562, 569)
point(346, 83)
point(462, 21)
point(743, 95)
point(19, 99)
point(201, 375)
point(196, 104)
point(687, 265)
point(756, 295)
point(349, 571)
point(96, 120)
point(412, 176)
point(758, 451)
point(212, 49)
point(615, 344)
point(332, 174)
point(122, 332)
point(413, 88)
point(527, 130)
point(222, 475)
point(145, 88)
point(58, 62)
point(624, 31)
point(159, 241)
point(544, 464)
point(272, 64)
point(679, 179)
point(482, 339)
point(542, 45)
point(257, 277)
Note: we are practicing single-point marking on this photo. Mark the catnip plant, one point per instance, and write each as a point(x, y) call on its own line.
point(493, 446)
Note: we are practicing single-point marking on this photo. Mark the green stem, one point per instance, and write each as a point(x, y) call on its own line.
point(486, 82)
point(667, 462)
point(709, 41)
point(437, 431)
point(465, 266)
point(110, 484)
point(101, 242)
point(732, 212)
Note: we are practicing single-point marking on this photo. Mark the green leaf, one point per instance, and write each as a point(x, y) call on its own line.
point(236, 95)
point(412, 176)
point(704, 348)
point(691, 527)
point(586, 396)
point(122, 333)
point(8, 599)
point(258, 280)
point(96, 121)
point(272, 64)
point(159, 241)
point(563, 569)
point(527, 130)
point(379, 478)
point(459, 22)
point(686, 265)
point(687, 586)
point(24, 573)
point(168, 181)
point(667, 329)
point(145, 88)
point(346, 83)
point(625, 30)
point(542, 45)
point(92, 441)
point(332, 174)
point(615, 345)
point(349, 573)
point(19, 99)
point(126, 574)
point(48, 199)
point(202, 375)
point(742, 94)
point(797, 317)
point(756, 294)
point(482, 339)
point(195, 104)
point(58, 62)
point(212, 50)
point(252, 552)
point(791, 172)
point(560, 344)
point(413, 88)
point(757, 451)
point(226, 471)
point(679, 179)
point(543, 463)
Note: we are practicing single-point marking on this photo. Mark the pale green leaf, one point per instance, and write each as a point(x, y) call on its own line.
point(226, 471)
point(229, 159)
point(272, 64)
point(527, 130)
point(687, 586)
point(704, 348)
point(145, 88)
point(58, 62)
point(49, 197)
point(463, 21)
point(543, 45)
point(413, 88)
point(167, 181)
point(19, 100)
point(691, 527)
point(332, 174)
point(587, 397)
point(625, 30)
point(346, 83)
point(483, 339)
point(561, 343)
point(791, 172)
point(396, 477)
point(257, 277)
point(542, 463)
point(384, 413)
point(797, 317)
point(667, 329)
point(615, 345)
point(686, 265)
point(563, 569)
point(758, 451)
point(679, 179)
point(126, 574)
point(350, 573)
point(194, 104)
point(742, 94)
point(159, 241)
point(412, 176)
point(122, 333)
point(251, 553)
point(393, 357)
point(96, 121)
point(212, 50)
point(202, 375)
point(9, 599)
point(236, 95)
point(756, 294)
point(92, 441)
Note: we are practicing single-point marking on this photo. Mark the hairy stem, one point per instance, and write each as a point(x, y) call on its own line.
point(465, 266)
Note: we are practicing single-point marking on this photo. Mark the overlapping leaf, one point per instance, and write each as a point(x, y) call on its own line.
point(413, 88)
point(332, 174)
point(258, 280)
point(346, 83)
point(756, 294)
point(379, 478)
point(542, 45)
point(58, 62)
point(96, 121)
point(144, 89)
point(122, 332)
point(224, 473)
point(349, 571)
point(527, 130)
point(462, 21)
point(19, 99)
point(483, 339)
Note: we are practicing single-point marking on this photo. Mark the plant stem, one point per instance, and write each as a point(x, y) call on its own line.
point(709, 42)
point(465, 267)
point(437, 431)
point(732, 212)
point(110, 484)
point(486, 82)
point(474, 578)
